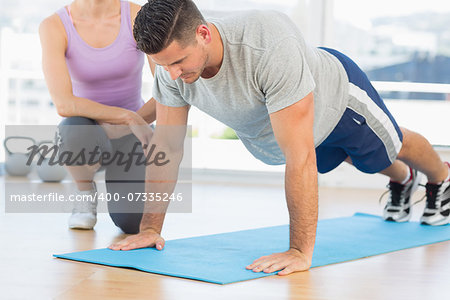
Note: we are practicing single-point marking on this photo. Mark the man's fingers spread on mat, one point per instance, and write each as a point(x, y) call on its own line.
point(118, 245)
point(143, 240)
point(256, 262)
point(140, 240)
point(274, 268)
point(265, 264)
point(289, 261)
point(286, 271)
point(123, 243)
point(128, 247)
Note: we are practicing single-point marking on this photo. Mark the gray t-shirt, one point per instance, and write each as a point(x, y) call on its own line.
point(266, 67)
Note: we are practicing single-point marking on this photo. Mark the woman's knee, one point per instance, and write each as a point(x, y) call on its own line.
point(72, 132)
point(76, 135)
point(77, 121)
point(128, 222)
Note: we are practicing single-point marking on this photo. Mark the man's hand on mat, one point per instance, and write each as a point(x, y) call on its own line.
point(290, 261)
point(143, 239)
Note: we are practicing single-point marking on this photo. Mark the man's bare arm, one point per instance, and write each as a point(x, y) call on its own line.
point(293, 128)
point(168, 138)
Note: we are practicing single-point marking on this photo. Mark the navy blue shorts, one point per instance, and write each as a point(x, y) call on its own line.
point(367, 132)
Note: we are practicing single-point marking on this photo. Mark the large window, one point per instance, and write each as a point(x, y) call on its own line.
point(400, 41)
point(404, 46)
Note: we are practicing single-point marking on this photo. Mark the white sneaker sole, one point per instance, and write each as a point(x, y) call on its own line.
point(439, 222)
point(406, 218)
point(85, 221)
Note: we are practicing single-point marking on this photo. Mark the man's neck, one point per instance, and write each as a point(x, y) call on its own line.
point(215, 53)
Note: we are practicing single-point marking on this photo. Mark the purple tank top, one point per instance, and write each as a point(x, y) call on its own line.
point(111, 75)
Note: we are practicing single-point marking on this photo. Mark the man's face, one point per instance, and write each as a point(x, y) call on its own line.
point(186, 63)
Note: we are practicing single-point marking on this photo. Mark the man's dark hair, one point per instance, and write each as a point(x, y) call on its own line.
point(160, 22)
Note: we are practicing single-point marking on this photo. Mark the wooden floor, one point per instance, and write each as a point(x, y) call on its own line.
point(28, 241)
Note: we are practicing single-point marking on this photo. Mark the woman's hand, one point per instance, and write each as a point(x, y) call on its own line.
point(139, 128)
point(115, 131)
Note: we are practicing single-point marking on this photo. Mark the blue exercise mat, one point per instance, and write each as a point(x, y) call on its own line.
point(221, 258)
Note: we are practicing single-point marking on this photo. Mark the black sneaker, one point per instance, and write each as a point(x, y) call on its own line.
point(399, 208)
point(437, 210)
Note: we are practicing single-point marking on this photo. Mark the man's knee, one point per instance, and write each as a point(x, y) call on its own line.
point(408, 135)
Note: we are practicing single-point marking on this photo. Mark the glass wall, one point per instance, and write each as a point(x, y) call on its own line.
point(404, 46)
point(400, 41)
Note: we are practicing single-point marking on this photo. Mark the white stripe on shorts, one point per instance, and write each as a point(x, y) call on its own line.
point(381, 117)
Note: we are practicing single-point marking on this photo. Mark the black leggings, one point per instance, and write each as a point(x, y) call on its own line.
point(125, 214)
